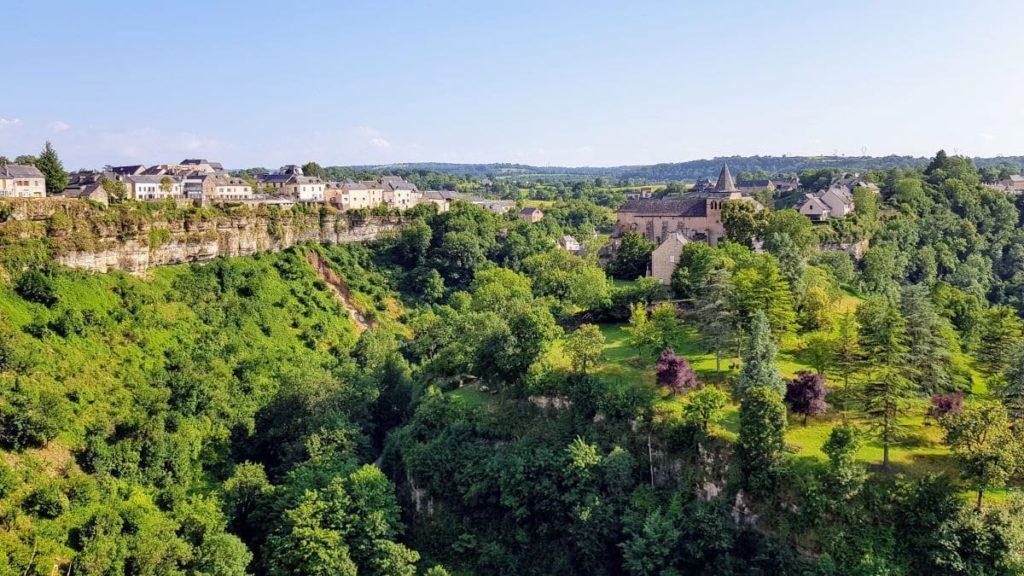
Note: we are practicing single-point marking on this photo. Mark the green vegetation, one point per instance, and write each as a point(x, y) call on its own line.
point(462, 397)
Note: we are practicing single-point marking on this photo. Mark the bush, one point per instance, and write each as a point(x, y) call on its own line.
point(35, 286)
point(8, 480)
point(70, 322)
point(27, 422)
point(47, 501)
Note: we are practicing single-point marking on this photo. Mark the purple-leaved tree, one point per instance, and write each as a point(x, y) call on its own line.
point(946, 405)
point(675, 372)
point(806, 393)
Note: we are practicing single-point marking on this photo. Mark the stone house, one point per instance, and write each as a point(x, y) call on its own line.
point(88, 185)
point(698, 216)
point(814, 208)
point(154, 187)
point(229, 188)
point(356, 195)
point(531, 214)
point(290, 181)
point(839, 200)
point(755, 185)
point(94, 192)
point(401, 198)
point(665, 257)
point(441, 198)
point(21, 181)
point(198, 187)
point(1013, 183)
point(496, 206)
point(569, 244)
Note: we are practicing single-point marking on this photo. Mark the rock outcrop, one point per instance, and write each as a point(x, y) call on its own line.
point(89, 237)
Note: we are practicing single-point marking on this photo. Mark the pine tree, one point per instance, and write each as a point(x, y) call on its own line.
point(887, 398)
point(847, 347)
point(1011, 387)
point(1000, 336)
point(714, 315)
point(928, 344)
point(50, 165)
point(759, 368)
point(888, 391)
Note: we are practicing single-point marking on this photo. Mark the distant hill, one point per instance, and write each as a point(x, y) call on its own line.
point(690, 170)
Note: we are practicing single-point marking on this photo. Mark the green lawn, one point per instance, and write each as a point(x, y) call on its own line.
point(921, 452)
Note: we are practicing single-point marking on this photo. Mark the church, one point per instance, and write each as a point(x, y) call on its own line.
point(697, 215)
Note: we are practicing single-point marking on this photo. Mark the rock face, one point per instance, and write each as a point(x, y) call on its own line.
point(100, 240)
point(209, 240)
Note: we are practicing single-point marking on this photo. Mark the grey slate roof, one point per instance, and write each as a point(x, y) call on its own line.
point(127, 170)
point(725, 182)
point(275, 178)
point(20, 171)
point(442, 195)
point(151, 178)
point(691, 205)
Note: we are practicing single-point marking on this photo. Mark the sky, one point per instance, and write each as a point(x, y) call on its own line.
point(551, 82)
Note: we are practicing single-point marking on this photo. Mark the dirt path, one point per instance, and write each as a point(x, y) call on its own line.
point(340, 289)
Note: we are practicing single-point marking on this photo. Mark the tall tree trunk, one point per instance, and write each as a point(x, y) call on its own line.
point(718, 359)
point(650, 457)
point(981, 491)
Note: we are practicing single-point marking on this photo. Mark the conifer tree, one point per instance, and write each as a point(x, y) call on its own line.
point(845, 475)
point(1011, 387)
point(1000, 336)
point(714, 315)
point(762, 437)
point(888, 391)
point(50, 165)
point(759, 368)
point(847, 347)
point(927, 337)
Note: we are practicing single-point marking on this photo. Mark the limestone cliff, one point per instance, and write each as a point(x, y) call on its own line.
point(135, 238)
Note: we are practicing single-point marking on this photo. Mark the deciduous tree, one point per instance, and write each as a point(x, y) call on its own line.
point(806, 393)
point(675, 372)
point(985, 446)
point(583, 346)
point(643, 335)
point(631, 257)
point(743, 222)
point(703, 406)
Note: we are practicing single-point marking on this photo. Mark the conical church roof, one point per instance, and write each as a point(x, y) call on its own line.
point(725, 182)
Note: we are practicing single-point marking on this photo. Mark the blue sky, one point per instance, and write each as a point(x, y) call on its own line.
point(541, 82)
